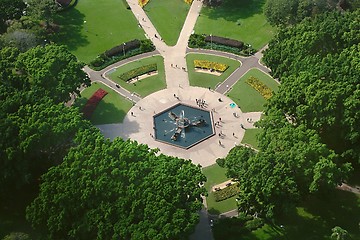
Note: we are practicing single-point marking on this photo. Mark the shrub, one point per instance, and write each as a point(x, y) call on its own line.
point(226, 193)
point(224, 41)
point(254, 224)
point(92, 103)
point(138, 72)
point(221, 162)
point(196, 41)
point(189, 1)
point(264, 90)
point(205, 64)
point(102, 61)
point(122, 48)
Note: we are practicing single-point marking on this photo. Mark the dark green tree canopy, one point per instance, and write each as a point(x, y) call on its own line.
point(118, 190)
point(9, 10)
point(317, 62)
point(289, 12)
point(49, 70)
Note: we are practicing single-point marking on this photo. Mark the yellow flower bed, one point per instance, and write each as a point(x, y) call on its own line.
point(188, 1)
point(210, 65)
point(142, 3)
point(264, 90)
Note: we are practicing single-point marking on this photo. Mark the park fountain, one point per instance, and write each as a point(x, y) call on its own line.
point(183, 126)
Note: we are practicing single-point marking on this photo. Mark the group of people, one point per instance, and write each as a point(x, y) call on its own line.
point(201, 103)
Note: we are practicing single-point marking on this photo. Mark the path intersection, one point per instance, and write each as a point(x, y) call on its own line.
point(140, 126)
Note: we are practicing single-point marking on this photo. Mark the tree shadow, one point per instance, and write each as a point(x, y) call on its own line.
point(315, 218)
point(233, 10)
point(71, 23)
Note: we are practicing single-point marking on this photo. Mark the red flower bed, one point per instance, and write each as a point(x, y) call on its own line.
point(91, 104)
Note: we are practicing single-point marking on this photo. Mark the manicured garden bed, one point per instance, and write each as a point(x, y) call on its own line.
point(111, 109)
point(91, 27)
point(146, 86)
point(92, 103)
point(246, 97)
point(208, 80)
point(168, 18)
point(241, 20)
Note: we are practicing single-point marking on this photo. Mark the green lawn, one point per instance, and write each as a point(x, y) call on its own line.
point(250, 137)
point(108, 23)
point(111, 109)
point(146, 86)
point(241, 20)
point(204, 79)
point(168, 17)
point(246, 97)
point(215, 175)
point(315, 218)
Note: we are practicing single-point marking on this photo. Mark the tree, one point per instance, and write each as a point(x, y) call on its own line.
point(292, 164)
point(9, 10)
point(34, 137)
point(118, 190)
point(52, 71)
point(339, 234)
point(44, 10)
point(289, 12)
point(21, 39)
point(320, 80)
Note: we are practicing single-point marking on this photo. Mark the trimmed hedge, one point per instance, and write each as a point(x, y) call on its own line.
point(102, 60)
point(138, 72)
point(254, 224)
point(226, 193)
point(224, 41)
point(124, 47)
point(198, 41)
point(264, 90)
point(205, 64)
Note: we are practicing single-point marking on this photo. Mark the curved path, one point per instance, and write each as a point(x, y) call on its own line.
point(138, 123)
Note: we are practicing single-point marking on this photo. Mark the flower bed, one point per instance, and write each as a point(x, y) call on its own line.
point(226, 193)
point(210, 65)
point(142, 3)
point(138, 72)
point(189, 1)
point(92, 103)
point(264, 90)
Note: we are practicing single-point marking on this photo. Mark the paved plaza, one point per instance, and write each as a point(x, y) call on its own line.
point(139, 125)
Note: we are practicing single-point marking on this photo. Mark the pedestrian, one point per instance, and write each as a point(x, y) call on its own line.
point(132, 114)
point(172, 65)
point(176, 66)
point(140, 108)
point(233, 134)
point(220, 143)
point(156, 36)
point(209, 88)
point(219, 135)
point(242, 126)
point(174, 95)
point(220, 119)
point(227, 86)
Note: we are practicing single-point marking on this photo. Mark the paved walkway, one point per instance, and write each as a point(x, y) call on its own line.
point(139, 125)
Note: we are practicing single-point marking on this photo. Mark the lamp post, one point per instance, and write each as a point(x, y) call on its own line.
point(124, 48)
point(211, 41)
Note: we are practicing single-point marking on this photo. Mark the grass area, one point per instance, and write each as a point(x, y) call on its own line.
point(204, 79)
point(215, 175)
point(241, 20)
point(146, 86)
point(111, 109)
point(315, 218)
point(168, 18)
point(250, 137)
point(246, 97)
point(92, 26)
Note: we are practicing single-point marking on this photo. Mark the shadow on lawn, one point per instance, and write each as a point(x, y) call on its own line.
point(233, 10)
point(71, 23)
point(317, 216)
